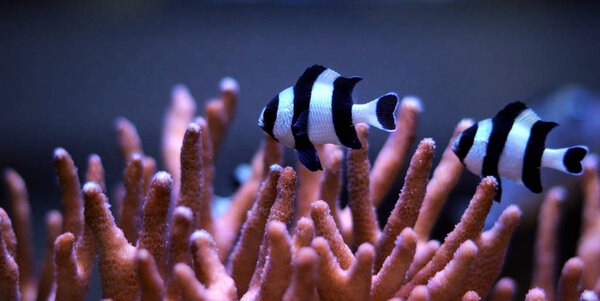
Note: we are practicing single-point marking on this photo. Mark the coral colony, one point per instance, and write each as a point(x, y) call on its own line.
point(284, 235)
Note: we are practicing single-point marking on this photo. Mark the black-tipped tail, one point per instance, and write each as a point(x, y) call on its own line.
point(386, 106)
point(573, 157)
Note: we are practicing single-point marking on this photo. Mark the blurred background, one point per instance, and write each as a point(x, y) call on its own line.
point(69, 69)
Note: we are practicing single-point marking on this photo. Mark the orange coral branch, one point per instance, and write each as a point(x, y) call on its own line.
point(272, 154)
point(393, 271)
point(448, 283)
point(22, 225)
point(325, 227)
point(588, 248)
point(569, 283)
point(392, 156)
point(208, 171)
point(219, 113)
point(153, 236)
point(536, 294)
point(192, 175)
point(492, 247)
point(130, 217)
point(303, 234)
point(469, 227)
point(308, 181)
point(152, 287)
point(71, 192)
point(272, 275)
point(281, 211)
point(363, 213)
point(445, 176)
point(546, 242)
point(409, 202)
point(232, 220)
point(177, 118)
point(149, 170)
point(9, 271)
point(283, 208)
point(188, 285)
point(95, 171)
point(503, 290)
point(209, 269)
point(8, 234)
point(53, 230)
point(470, 296)
point(331, 181)
point(243, 258)
point(72, 274)
point(117, 257)
point(588, 295)
point(338, 284)
point(128, 139)
point(425, 251)
point(304, 280)
point(419, 293)
point(179, 247)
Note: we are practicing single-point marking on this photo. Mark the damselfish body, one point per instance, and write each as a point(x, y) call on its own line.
point(320, 109)
point(513, 145)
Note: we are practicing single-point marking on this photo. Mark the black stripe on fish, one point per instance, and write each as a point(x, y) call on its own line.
point(270, 115)
point(341, 110)
point(466, 142)
point(533, 155)
point(502, 123)
point(302, 92)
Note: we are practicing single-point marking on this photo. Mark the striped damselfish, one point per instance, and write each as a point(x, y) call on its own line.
point(513, 145)
point(319, 109)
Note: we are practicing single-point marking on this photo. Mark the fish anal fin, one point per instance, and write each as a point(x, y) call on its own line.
point(301, 126)
point(309, 158)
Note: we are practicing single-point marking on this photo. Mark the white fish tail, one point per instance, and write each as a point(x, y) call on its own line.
point(380, 113)
point(566, 159)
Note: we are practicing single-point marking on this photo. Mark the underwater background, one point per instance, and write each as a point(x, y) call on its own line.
point(69, 69)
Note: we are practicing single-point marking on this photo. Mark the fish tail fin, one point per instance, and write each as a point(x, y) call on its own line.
point(566, 159)
point(380, 113)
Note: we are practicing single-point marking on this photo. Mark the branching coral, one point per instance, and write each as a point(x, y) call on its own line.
point(285, 235)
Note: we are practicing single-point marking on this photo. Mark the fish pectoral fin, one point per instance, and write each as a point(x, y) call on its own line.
point(301, 126)
point(309, 158)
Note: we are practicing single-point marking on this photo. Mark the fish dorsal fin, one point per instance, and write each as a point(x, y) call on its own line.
point(527, 118)
point(310, 75)
point(345, 86)
point(510, 112)
point(327, 77)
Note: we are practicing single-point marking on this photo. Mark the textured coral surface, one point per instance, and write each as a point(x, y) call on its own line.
point(284, 235)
